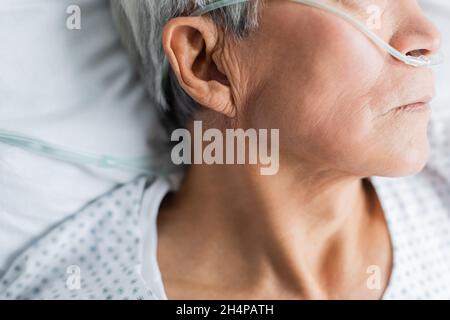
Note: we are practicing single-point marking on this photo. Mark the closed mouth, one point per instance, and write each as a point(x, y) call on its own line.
point(419, 105)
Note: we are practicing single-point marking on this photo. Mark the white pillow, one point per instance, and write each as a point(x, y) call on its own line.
point(74, 88)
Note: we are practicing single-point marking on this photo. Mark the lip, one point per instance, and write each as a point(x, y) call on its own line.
point(419, 105)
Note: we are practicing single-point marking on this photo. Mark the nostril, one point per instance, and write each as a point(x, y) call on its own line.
point(419, 53)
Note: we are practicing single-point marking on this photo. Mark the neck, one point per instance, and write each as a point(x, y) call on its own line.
point(300, 228)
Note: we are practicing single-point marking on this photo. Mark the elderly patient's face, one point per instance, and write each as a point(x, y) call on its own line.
point(333, 94)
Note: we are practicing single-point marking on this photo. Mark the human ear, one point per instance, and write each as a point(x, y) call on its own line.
point(190, 44)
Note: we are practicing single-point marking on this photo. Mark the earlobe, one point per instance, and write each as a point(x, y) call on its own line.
point(189, 44)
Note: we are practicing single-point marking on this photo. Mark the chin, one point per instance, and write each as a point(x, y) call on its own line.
point(410, 162)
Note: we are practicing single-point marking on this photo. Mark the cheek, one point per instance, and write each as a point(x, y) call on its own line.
point(324, 89)
point(325, 63)
point(324, 93)
point(339, 136)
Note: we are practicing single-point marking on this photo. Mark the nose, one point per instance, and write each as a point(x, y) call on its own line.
point(417, 36)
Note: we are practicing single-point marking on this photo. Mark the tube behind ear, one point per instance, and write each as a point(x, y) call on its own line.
point(421, 61)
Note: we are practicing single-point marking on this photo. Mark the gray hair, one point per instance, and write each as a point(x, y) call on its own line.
point(140, 24)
